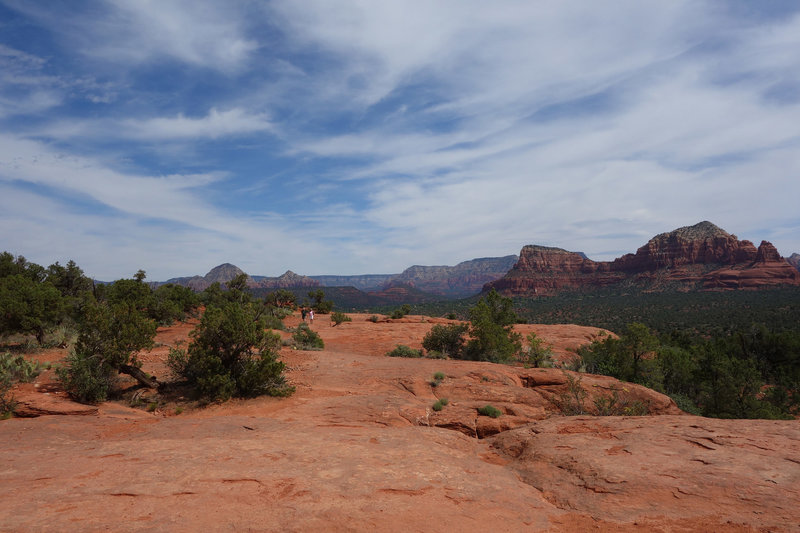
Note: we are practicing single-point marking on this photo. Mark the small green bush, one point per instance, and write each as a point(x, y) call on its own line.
point(337, 317)
point(444, 401)
point(438, 406)
point(447, 339)
point(405, 351)
point(439, 376)
point(7, 402)
point(489, 410)
point(571, 401)
point(536, 354)
point(307, 339)
point(86, 379)
point(401, 311)
point(374, 319)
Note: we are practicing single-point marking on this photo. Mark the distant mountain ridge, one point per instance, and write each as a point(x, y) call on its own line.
point(417, 282)
point(794, 260)
point(702, 256)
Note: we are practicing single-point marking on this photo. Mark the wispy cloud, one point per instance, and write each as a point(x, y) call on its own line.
point(366, 136)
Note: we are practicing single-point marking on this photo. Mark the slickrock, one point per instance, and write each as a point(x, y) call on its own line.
point(358, 447)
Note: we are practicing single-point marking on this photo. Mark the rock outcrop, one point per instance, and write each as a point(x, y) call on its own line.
point(360, 447)
point(464, 279)
point(702, 256)
point(219, 274)
point(286, 280)
point(794, 260)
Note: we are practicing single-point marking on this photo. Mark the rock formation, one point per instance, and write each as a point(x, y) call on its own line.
point(702, 256)
point(794, 260)
point(464, 279)
point(286, 280)
point(358, 447)
point(219, 274)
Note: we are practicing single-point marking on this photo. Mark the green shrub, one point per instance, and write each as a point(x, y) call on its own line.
point(438, 406)
point(615, 406)
point(491, 329)
point(444, 401)
point(536, 354)
point(87, 378)
point(374, 319)
point(110, 335)
point(446, 339)
point(489, 410)
point(273, 322)
point(231, 354)
point(339, 317)
point(439, 376)
point(7, 402)
point(401, 311)
point(307, 339)
point(570, 401)
point(404, 351)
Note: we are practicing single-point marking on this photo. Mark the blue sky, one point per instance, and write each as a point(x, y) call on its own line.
point(350, 137)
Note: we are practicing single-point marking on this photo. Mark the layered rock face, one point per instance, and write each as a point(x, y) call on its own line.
point(702, 256)
point(463, 279)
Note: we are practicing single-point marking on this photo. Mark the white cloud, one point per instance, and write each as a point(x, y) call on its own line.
point(473, 128)
point(214, 125)
point(202, 33)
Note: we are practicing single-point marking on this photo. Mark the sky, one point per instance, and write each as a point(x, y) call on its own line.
point(355, 137)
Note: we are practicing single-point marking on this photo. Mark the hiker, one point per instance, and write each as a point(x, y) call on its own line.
point(311, 315)
point(303, 313)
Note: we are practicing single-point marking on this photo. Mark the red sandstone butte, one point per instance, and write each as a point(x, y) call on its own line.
point(702, 256)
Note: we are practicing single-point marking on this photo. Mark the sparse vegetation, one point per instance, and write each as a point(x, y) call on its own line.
point(14, 369)
point(401, 311)
point(231, 353)
point(438, 406)
point(536, 354)
point(110, 334)
point(374, 319)
point(401, 350)
point(490, 411)
point(339, 317)
point(447, 340)
point(307, 339)
point(319, 304)
point(571, 401)
point(491, 330)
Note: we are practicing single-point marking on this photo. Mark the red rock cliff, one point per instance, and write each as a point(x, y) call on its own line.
point(693, 257)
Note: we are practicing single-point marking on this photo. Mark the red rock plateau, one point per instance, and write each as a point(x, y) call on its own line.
point(702, 256)
point(358, 447)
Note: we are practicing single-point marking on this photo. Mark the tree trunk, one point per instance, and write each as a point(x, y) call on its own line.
point(139, 376)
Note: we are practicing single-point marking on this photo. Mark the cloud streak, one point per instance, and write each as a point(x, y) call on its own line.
point(368, 136)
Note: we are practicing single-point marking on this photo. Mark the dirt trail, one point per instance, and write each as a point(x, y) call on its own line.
point(357, 448)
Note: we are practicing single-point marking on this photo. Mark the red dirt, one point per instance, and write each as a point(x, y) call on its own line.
point(358, 448)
